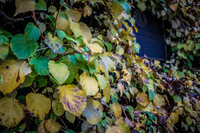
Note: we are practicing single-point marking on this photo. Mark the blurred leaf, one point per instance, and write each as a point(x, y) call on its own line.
point(41, 5)
point(57, 108)
point(52, 126)
point(24, 6)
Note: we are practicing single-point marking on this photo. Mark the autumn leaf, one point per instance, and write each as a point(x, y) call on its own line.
point(117, 110)
point(70, 117)
point(89, 84)
point(41, 127)
point(73, 99)
point(76, 28)
point(11, 112)
point(54, 43)
point(52, 126)
point(4, 49)
point(92, 113)
point(38, 105)
point(142, 98)
point(159, 100)
point(24, 6)
point(13, 73)
point(95, 47)
point(59, 71)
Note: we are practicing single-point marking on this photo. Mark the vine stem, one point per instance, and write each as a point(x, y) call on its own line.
point(37, 25)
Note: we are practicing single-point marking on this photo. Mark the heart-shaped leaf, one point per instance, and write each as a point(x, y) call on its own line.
point(59, 71)
point(54, 43)
point(21, 49)
point(32, 33)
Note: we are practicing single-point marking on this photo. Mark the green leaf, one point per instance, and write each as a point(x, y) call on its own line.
point(54, 43)
point(177, 98)
point(63, 14)
point(73, 70)
point(4, 49)
point(151, 95)
point(79, 56)
point(41, 5)
point(141, 5)
point(59, 71)
point(42, 81)
point(32, 33)
point(3, 40)
point(41, 65)
point(6, 33)
point(21, 50)
point(125, 5)
point(72, 58)
point(109, 46)
point(70, 131)
point(92, 67)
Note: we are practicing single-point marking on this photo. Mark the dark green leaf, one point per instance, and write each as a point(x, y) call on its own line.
point(32, 33)
point(41, 5)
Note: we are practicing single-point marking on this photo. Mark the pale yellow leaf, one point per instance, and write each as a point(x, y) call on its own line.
point(38, 105)
point(113, 129)
point(159, 100)
point(11, 112)
point(87, 10)
point(85, 31)
point(75, 27)
point(94, 47)
point(150, 107)
point(117, 110)
point(174, 117)
point(73, 99)
point(92, 114)
point(52, 126)
point(89, 84)
point(123, 126)
point(174, 6)
point(75, 16)
point(13, 73)
point(61, 23)
point(143, 99)
point(24, 6)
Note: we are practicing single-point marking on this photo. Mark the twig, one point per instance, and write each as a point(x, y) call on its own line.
point(37, 25)
point(64, 124)
point(12, 19)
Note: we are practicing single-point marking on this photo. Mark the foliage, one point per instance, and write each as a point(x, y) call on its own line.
point(72, 67)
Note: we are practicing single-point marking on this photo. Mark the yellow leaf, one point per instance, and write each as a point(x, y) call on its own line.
point(87, 10)
point(13, 73)
point(149, 107)
point(75, 16)
point(106, 91)
point(70, 117)
point(190, 83)
point(106, 62)
point(24, 6)
point(117, 9)
point(170, 126)
point(92, 114)
point(123, 126)
point(59, 71)
point(41, 127)
point(174, 6)
point(61, 22)
point(11, 112)
point(73, 99)
point(94, 47)
point(143, 99)
point(38, 104)
point(85, 31)
point(198, 105)
point(57, 108)
point(159, 100)
point(174, 117)
point(89, 84)
point(75, 27)
point(113, 129)
point(117, 110)
point(52, 126)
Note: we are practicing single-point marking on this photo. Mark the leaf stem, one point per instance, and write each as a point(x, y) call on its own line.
point(54, 79)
